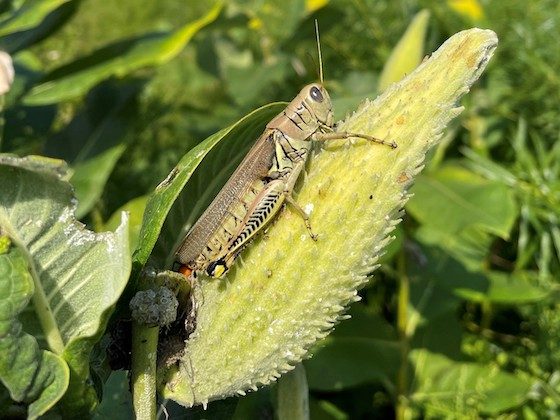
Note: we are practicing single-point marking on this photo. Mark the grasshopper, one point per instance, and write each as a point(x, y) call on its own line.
point(261, 184)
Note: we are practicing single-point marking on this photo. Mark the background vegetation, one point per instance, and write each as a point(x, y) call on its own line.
point(467, 292)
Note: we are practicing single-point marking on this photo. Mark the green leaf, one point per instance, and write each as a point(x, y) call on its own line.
point(436, 284)
point(78, 275)
point(33, 376)
point(516, 288)
point(90, 176)
point(116, 60)
point(287, 291)
point(345, 362)
point(117, 401)
point(135, 209)
point(30, 14)
point(94, 141)
point(469, 209)
point(366, 325)
point(461, 198)
point(443, 334)
point(408, 53)
point(262, 77)
point(449, 388)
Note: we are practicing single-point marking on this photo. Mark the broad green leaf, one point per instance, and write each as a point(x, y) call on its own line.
point(436, 283)
point(29, 15)
point(78, 275)
point(515, 288)
point(408, 53)
point(345, 362)
point(461, 198)
point(443, 334)
point(90, 176)
point(52, 22)
point(251, 406)
point(262, 77)
point(470, 245)
point(94, 141)
point(116, 60)
point(33, 376)
point(469, 209)
point(189, 204)
point(449, 388)
point(366, 325)
point(117, 401)
point(287, 291)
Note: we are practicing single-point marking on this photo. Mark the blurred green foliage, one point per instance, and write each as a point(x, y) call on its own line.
point(479, 248)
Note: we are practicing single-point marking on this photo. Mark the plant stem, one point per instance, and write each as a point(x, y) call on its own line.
point(292, 395)
point(143, 377)
point(402, 409)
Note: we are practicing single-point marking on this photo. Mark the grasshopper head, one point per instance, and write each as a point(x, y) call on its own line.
point(319, 102)
point(309, 111)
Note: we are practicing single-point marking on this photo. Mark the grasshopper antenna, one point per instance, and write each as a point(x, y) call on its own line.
point(319, 50)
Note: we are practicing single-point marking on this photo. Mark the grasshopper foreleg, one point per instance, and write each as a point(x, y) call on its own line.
point(341, 135)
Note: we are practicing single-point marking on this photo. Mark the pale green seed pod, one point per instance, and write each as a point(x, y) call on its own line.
point(286, 291)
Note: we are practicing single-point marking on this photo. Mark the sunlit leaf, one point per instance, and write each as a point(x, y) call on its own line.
point(116, 60)
point(450, 388)
point(78, 275)
point(32, 375)
point(313, 5)
point(408, 53)
point(470, 209)
point(29, 15)
point(509, 289)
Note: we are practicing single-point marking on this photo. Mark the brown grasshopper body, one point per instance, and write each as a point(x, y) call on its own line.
point(260, 185)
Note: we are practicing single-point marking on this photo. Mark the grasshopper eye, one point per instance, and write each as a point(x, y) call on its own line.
point(316, 94)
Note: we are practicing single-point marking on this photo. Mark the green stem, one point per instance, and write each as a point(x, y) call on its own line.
point(402, 409)
point(292, 395)
point(486, 315)
point(97, 219)
point(143, 377)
